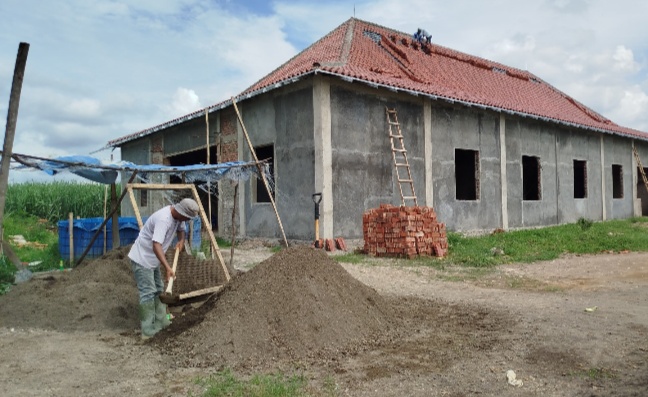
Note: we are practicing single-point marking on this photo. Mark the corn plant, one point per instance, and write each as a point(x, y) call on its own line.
point(54, 201)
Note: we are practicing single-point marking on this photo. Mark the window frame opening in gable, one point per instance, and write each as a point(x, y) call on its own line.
point(617, 181)
point(467, 180)
point(580, 179)
point(531, 178)
point(259, 192)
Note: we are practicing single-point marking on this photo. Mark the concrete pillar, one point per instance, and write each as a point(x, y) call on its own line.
point(504, 183)
point(323, 153)
point(636, 201)
point(604, 215)
point(427, 126)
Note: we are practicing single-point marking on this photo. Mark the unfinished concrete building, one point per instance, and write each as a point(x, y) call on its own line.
point(489, 146)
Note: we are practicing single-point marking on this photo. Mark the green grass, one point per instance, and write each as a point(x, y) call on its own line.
point(350, 258)
point(34, 230)
point(595, 373)
point(7, 271)
point(548, 243)
point(225, 384)
point(33, 210)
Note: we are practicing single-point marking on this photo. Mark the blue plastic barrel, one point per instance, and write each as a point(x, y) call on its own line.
point(84, 229)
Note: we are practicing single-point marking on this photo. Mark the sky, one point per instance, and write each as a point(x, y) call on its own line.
point(99, 69)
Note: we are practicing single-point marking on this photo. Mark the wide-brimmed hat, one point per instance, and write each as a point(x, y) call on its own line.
point(187, 208)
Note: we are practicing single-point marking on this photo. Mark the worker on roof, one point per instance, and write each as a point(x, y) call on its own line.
point(146, 255)
point(422, 36)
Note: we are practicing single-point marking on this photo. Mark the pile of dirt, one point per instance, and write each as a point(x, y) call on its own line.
point(297, 305)
point(97, 295)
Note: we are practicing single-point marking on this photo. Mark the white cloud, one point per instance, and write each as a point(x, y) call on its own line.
point(633, 105)
point(184, 101)
point(624, 60)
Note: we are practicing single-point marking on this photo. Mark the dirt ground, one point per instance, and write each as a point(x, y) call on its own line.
point(576, 326)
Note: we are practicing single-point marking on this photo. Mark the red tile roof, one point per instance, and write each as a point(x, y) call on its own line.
point(377, 55)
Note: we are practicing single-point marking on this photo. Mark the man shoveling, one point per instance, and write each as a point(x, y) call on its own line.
point(146, 255)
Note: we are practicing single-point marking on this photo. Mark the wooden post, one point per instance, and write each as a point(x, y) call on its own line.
point(104, 215)
point(265, 182)
point(115, 216)
point(71, 232)
point(233, 226)
point(10, 131)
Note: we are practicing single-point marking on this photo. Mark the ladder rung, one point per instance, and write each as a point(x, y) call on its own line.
point(393, 111)
point(409, 197)
point(394, 123)
point(400, 150)
point(405, 180)
point(396, 136)
point(402, 165)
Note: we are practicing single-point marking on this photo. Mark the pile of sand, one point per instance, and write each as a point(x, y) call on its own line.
point(95, 296)
point(297, 305)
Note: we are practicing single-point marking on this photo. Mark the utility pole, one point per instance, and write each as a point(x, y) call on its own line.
point(12, 117)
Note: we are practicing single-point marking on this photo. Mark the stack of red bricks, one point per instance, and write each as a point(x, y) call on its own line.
point(403, 232)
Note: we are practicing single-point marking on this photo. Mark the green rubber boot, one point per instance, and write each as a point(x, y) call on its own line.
point(161, 319)
point(147, 319)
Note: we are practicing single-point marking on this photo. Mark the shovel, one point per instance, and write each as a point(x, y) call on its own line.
point(167, 297)
point(317, 199)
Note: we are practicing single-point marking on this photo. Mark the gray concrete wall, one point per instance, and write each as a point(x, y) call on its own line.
point(189, 136)
point(536, 139)
point(363, 171)
point(578, 145)
point(463, 128)
point(618, 150)
point(284, 119)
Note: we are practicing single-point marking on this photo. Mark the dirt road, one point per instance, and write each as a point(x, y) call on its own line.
point(577, 326)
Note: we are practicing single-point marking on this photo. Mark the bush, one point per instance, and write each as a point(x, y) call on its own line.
point(584, 223)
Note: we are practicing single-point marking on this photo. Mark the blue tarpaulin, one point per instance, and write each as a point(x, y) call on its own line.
point(93, 169)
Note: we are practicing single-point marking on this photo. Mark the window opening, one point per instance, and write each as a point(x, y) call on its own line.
point(531, 181)
point(580, 179)
point(264, 153)
point(617, 181)
point(467, 174)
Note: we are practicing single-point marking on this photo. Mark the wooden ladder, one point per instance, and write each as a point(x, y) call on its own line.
point(399, 154)
point(641, 169)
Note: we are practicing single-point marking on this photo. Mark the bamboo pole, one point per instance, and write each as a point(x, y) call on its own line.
point(265, 181)
point(209, 209)
point(234, 225)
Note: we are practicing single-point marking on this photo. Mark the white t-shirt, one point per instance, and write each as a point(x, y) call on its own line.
point(160, 227)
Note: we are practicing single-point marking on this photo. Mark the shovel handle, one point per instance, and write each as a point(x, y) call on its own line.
point(173, 267)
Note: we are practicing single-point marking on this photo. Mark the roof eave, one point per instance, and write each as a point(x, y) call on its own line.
point(191, 116)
